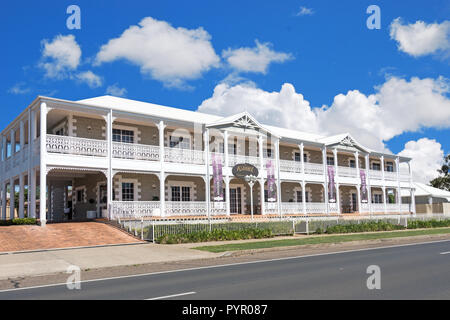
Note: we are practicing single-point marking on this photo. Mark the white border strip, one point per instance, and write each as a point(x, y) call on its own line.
point(173, 296)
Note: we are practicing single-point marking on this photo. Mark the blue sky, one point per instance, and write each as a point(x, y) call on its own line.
point(330, 51)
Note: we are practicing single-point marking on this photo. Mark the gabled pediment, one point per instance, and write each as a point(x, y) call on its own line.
point(241, 120)
point(345, 141)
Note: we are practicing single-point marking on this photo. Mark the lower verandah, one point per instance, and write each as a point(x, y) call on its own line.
point(82, 195)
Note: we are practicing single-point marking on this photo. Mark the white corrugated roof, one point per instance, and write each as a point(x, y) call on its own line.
point(426, 190)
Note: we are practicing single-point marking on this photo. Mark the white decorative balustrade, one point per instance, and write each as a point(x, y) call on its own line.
point(271, 208)
point(390, 175)
point(234, 159)
point(218, 208)
point(313, 168)
point(377, 207)
point(375, 174)
point(186, 156)
point(290, 166)
point(392, 207)
point(135, 151)
point(77, 146)
point(292, 208)
point(315, 207)
point(186, 208)
point(404, 175)
point(347, 172)
point(405, 207)
point(220, 156)
point(135, 209)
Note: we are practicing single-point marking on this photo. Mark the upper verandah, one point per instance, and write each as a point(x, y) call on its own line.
point(136, 108)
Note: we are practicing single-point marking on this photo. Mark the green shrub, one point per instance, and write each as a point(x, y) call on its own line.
point(215, 235)
point(364, 227)
point(15, 222)
point(419, 224)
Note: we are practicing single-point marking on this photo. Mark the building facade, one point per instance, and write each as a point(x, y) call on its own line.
point(118, 158)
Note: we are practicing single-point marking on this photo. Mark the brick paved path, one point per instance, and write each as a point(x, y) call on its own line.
point(63, 235)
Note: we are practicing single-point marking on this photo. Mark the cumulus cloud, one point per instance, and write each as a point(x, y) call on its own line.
point(304, 11)
point(19, 88)
point(420, 38)
point(168, 54)
point(60, 56)
point(427, 155)
point(397, 106)
point(256, 59)
point(90, 78)
point(115, 90)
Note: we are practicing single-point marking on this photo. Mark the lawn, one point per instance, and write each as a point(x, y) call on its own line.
point(322, 239)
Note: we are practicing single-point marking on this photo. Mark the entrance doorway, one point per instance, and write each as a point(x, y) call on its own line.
point(236, 200)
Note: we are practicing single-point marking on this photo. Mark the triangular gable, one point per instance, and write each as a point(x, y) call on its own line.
point(242, 120)
point(345, 141)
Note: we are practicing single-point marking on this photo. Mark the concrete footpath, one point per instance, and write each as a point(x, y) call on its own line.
point(57, 261)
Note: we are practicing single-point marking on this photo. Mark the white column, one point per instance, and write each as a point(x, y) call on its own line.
point(369, 188)
point(358, 185)
point(13, 142)
point(413, 201)
point(5, 149)
point(335, 162)
point(43, 167)
point(12, 198)
point(208, 177)
point(302, 158)
point(325, 175)
point(399, 190)
point(384, 198)
point(21, 196)
point(336, 177)
point(226, 170)
point(261, 178)
point(30, 150)
point(162, 176)
point(109, 178)
point(304, 196)
point(277, 156)
point(3, 200)
point(22, 138)
point(32, 192)
point(382, 167)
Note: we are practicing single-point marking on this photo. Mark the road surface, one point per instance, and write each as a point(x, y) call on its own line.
point(416, 271)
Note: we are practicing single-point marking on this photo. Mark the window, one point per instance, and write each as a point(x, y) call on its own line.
point(297, 157)
point(127, 191)
point(181, 193)
point(377, 198)
point(376, 166)
point(389, 166)
point(80, 195)
point(180, 142)
point(268, 153)
point(299, 197)
point(330, 161)
point(125, 136)
point(352, 163)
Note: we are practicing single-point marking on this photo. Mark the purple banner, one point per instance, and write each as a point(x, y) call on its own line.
point(271, 185)
point(331, 185)
point(364, 193)
point(217, 178)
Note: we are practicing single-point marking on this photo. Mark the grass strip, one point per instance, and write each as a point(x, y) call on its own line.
point(321, 239)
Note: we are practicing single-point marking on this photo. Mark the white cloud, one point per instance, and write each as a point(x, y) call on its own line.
point(397, 106)
point(427, 158)
point(255, 59)
point(60, 56)
point(420, 38)
point(305, 12)
point(90, 78)
point(168, 54)
point(19, 88)
point(116, 91)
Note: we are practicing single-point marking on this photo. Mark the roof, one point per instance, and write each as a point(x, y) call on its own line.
point(427, 191)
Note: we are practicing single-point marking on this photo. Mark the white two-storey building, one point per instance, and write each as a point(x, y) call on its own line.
point(112, 157)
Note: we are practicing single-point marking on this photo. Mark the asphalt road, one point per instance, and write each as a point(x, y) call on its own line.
point(419, 271)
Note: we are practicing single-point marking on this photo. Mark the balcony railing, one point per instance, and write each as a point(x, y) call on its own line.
point(290, 166)
point(377, 207)
point(315, 207)
point(313, 168)
point(186, 156)
point(186, 208)
point(234, 159)
point(135, 151)
point(388, 175)
point(135, 209)
point(375, 174)
point(77, 146)
point(347, 172)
